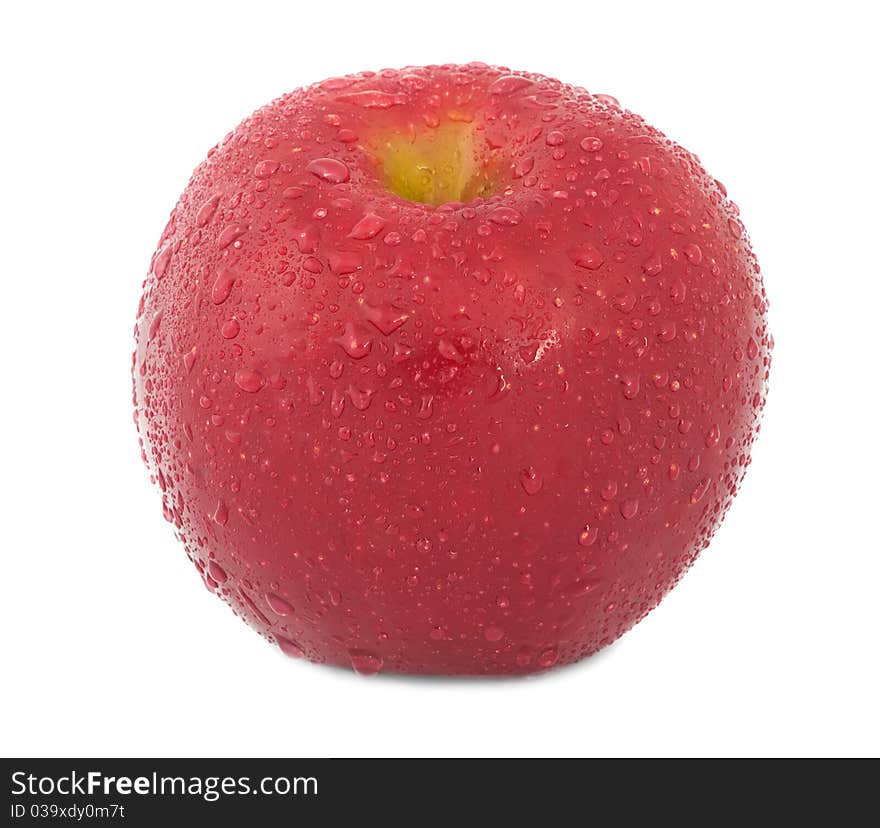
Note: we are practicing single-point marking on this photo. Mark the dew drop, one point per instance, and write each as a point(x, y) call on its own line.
point(508, 84)
point(448, 351)
point(278, 605)
point(700, 490)
point(344, 262)
point(523, 657)
point(505, 216)
point(588, 535)
point(609, 100)
point(221, 514)
point(752, 348)
point(329, 169)
point(368, 227)
point(372, 99)
point(250, 380)
point(316, 393)
point(581, 587)
point(216, 572)
point(154, 326)
point(587, 256)
point(591, 144)
point(631, 385)
point(652, 265)
point(532, 482)
point(290, 648)
point(625, 302)
point(223, 286)
point(207, 210)
point(354, 341)
point(713, 436)
point(693, 253)
point(160, 265)
point(426, 407)
point(365, 663)
point(666, 332)
point(493, 633)
point(385, 317)
point(266, 169)
point(229, 234)
point(360, 399)
point(678, 292)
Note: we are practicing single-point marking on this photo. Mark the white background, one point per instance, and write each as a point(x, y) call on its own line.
point(111, 645)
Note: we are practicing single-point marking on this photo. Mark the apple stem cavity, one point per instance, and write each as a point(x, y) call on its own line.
point(447, 163)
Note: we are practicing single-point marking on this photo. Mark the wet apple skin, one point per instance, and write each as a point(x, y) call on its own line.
point(455, 438)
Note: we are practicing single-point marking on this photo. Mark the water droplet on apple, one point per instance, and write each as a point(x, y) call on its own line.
point(678, 292)
point(385, 317)
point(249, 379)
point(693, 253)
point(591, 144)
point(588, 535)
point(587, 256)
point(329, 169)
point(221, 513)
point(223, 285)
point(365, 663)
point(426, 407)
point(523, 657)
point(207, 210)
point(581, 587)
point(631, 385)
point(360, 399)
point(155, 322)
point(229, 234)
point(290, 648)
point(278, 605)
point(666, 331)
point(217, 572)
point(266, 169)
point(344, 262)
point(448, 351)
point(372, 99)
point(160, 265)
point(354, 341)
point(532, 482)
point(493, 633)
point(508, 84)
point(505, 216)
point(652, 265)
point(700, 490)
point(610, 100)
point(368, 227)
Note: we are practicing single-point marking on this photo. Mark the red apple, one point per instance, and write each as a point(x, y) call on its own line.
point(448, 369)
